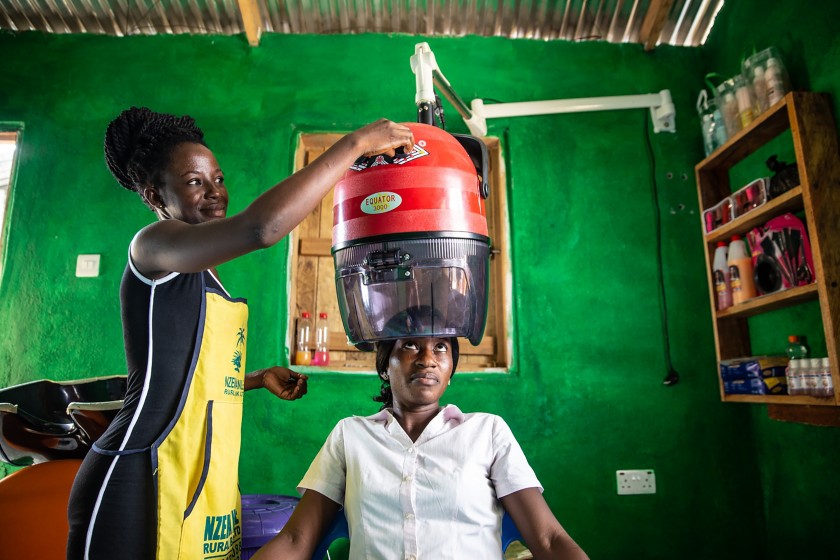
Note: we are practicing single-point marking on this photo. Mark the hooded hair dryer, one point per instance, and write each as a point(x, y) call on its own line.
point(410, 232)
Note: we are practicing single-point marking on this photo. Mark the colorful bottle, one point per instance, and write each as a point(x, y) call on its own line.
point(797, 353)
point(322, 341)
point(740, 271)
point(303, 348)
point(744, 98)
point(720, 273)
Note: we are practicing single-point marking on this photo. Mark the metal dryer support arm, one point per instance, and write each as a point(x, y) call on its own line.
point(428, 76)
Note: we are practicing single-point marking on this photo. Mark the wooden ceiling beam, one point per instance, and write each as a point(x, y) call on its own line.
point(654, 22)
point(251, 20)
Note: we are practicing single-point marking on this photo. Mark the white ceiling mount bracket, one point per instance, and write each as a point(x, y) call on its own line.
point(664, 114)
point(429, 76)
point(662, 110)
point(423, 65)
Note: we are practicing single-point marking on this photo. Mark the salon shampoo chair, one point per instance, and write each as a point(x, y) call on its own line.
point(47, 427)
point(48, 420)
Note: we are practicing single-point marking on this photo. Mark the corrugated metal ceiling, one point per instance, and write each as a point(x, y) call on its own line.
point(650, 22)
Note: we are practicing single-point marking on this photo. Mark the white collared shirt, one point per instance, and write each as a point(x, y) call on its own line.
point(435, 498)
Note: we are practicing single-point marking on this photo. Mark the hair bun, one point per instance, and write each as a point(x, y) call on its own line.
point(121, 139)
point(138, 141)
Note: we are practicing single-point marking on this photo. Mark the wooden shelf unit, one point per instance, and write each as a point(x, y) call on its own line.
point(809, 118)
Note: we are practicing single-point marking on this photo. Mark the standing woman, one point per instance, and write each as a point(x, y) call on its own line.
point(162, 481)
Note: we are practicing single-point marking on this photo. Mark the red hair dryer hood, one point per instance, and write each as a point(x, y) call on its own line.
point(410, 241)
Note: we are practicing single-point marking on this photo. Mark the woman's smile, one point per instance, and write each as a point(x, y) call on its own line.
point(218, 210)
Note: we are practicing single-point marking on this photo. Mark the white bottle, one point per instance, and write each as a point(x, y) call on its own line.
point(775, 82)
point(760, 90)
point(810, 375)
point(730, 114)
point(794, 377)
point(720, 274)
point(826, 383)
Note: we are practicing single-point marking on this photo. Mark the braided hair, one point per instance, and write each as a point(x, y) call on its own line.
point(383, 356)
point(139, 141)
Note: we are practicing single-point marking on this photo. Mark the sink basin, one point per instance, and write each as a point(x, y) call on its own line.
point(48, 420)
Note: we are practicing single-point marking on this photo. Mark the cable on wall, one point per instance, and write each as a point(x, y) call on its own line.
point(672, 377)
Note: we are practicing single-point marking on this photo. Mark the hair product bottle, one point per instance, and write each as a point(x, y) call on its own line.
point(740, 271)
point(720, 272)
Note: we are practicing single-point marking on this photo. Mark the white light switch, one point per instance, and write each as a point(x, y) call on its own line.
point(87, 266)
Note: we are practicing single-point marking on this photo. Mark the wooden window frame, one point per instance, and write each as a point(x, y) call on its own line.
point(306, 251)
point(7, 137)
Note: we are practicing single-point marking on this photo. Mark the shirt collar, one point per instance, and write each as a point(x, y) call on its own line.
point(449, 413)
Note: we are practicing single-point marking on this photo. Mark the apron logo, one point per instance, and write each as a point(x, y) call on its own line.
point(237, 355)
point(234, 386)
point(222, 536)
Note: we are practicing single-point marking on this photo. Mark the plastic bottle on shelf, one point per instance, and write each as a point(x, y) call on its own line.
point(775, 81)
point(322, 340)
point(797, 353)
point(810, 375)
point(744, 98)
point(740, 271)
point(826, 383)
point(729, 110)
point(303, 347)
point(760, 90)
point(720, 273)
point(793, 374)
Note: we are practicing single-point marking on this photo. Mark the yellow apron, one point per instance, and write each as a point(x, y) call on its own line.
point(196, 464)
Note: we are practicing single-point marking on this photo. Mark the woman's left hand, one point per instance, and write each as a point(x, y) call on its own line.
point(283, 382)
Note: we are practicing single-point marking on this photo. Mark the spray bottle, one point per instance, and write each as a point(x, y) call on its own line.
point(720, 273)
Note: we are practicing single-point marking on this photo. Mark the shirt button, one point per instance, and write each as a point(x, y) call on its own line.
point(409, 516)
point(411, 557)
point(407, 478)
point(411, 450)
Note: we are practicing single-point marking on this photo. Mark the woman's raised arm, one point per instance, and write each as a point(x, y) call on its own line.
point(175, 246)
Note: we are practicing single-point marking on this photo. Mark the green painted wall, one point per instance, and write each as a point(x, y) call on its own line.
point(586, 398)
point(797, 464)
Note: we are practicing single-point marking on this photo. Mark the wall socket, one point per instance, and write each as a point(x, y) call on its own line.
point(636, 481)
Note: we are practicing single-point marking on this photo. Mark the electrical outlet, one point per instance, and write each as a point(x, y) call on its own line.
point(636, 481)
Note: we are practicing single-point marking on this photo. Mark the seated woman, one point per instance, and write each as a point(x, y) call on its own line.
point(418, 480)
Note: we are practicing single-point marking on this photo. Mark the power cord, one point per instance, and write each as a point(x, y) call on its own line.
point(439, 112)
point(672, 377)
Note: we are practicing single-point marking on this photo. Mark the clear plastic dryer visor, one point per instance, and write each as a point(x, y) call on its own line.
point(414, 290)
